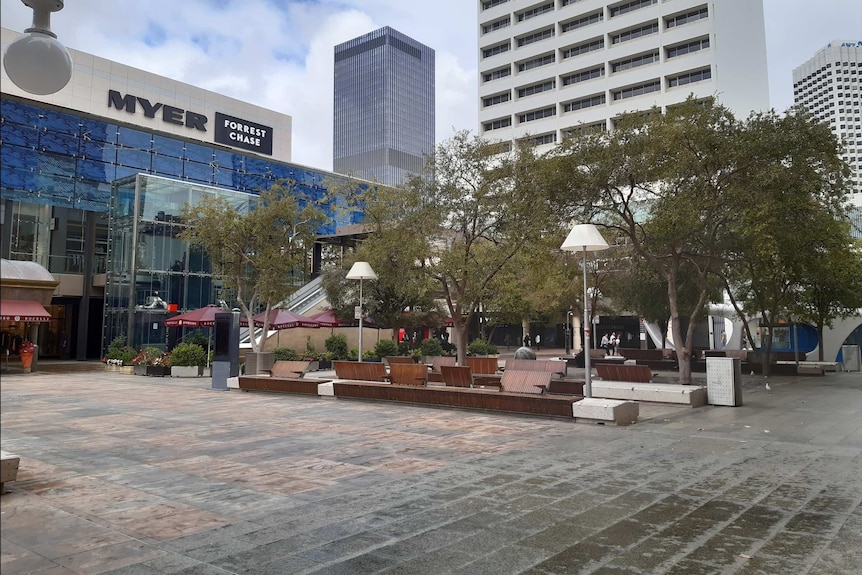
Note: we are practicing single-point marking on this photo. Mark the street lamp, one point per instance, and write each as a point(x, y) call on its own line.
point(361, 271)
point(37, 62)
point(585, 237)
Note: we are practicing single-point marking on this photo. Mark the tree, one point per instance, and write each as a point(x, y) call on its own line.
point(660, 180)
point(790, 221)
point(258, 245)
point(463, 222)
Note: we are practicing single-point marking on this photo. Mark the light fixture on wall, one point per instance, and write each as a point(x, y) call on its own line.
point(36, 61)
point(586, 238)
point(361, 271)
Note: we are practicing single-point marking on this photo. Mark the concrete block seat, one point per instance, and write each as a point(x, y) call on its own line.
point(601, 410)
point(8, 468)
point(692, 395)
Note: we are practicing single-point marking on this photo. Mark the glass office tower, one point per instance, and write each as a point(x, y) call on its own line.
point(383, 124)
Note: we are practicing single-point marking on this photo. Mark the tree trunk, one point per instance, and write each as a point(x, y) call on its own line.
point(682, 351)
point(819, 340)
point(460, 331)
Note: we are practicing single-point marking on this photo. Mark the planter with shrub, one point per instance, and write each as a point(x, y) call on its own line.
point(188, 360)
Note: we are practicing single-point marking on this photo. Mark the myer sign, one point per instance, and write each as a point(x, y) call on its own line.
point(230, 131)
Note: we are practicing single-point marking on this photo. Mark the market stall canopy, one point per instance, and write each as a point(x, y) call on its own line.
point(201, 317)
point(22, 310)
point(328, 319)
point(282, 319)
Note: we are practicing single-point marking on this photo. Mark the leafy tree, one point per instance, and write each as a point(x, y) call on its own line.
point(259, 246)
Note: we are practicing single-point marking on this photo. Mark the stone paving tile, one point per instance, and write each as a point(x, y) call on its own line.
point(220, 483)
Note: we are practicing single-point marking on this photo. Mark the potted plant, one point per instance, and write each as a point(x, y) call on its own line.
point(336, 347)
point(120, 356)
point(430, 348)
point(152, 361)
point(188, 360)
point(26, 351)
point(160, 366)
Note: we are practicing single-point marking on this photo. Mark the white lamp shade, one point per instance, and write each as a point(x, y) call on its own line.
point(584, 236)
point(361, 271)
point(38, 63)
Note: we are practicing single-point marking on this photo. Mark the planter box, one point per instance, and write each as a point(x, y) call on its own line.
point(186, 370)
point(323, 364)
point(140, 369)
point(126, 369)
point(158, 370)
point(111, 367)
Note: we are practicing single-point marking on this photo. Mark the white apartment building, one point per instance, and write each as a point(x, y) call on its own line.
point(829, 86)
point(551, 67)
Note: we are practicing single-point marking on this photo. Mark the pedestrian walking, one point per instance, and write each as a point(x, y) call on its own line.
point(538, 341)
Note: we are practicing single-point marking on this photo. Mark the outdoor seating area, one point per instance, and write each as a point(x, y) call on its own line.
point(361, 370)
point(554, 367)
point(626, 372)
point(285, 368)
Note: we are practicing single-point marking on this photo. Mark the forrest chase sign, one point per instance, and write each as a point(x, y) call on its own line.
point(230, 131)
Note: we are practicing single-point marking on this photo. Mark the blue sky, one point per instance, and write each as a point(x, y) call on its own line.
point(278, 53)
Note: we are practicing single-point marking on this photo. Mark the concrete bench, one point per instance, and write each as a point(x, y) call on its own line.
point(8, 468)
point(606, 411)
point(626, 372)
point(692, 395)
point(809, 369)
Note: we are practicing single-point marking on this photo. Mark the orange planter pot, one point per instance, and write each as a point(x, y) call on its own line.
point(27, 361)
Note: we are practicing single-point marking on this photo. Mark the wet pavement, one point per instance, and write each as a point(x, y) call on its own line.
point(136, 476)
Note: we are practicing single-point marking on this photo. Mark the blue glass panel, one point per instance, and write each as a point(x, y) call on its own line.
point(168, 146)
point(16, 177)
point(60, 188)
point(200, 154)
point(136, 139)
point(19, 135)
point(56, 164)
point(59, 143)
point(98, 131)
point(97, 171)
point(198, 172)
point(19, 113)
point(257, 167)
point(92, 196)
point(252, 183)
point(228, 160)
point(167, 166)
point(93, 150)
point(281, 171)
point(123, 172)
point(140, 160)
point(59, 122)
point(227, 178)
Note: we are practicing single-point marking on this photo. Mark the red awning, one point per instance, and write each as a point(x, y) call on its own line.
point(22, 310)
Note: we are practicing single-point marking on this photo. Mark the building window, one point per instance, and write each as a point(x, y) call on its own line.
point(537, 11)
point(583, 76)
point(583, 48)
point(639, 90)
point(491, 3)
point(497, 124)
point(689, 78)
point(568, 2)
point(497, 74)
point(496, 25)
point(687, 48)
point(686, 18)
point(634, 33)
point(536, 37)
point(581, 22)
point(635, 62)
point(539, 140)
point(583, 103)
point(498, 99)
point(536, 62)
point(627, 7)
point(494, 50)
point(583, 129)
point(536, 88)
point(537, 114)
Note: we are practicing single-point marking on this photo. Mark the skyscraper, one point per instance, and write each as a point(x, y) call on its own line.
point(550, 68)
point(829, 87)
point(383, 125)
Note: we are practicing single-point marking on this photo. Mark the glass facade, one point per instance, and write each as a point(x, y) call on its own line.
point(383, 125)
point(57, 171)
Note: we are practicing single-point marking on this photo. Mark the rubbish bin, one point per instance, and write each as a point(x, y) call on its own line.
point(850, 355)
point(724, 381)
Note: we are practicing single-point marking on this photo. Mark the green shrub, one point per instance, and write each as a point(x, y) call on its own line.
point(385, 348)
point(285, 354)
point(405, 348)
point(480, 347)
point(188, 354)
point(119, 350)
point(196, 337)
point(149, 356)
point(336, 345)
point(431, 347)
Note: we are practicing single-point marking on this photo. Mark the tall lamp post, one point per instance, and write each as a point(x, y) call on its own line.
point(586, 238)
point(37, 62)
point(361, 271)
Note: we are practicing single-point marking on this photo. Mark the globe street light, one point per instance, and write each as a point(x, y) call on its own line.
point(585, 237)
point(361, 271)
point(37, 62)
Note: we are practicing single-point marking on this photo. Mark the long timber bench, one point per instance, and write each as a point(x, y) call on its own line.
point(281, 384)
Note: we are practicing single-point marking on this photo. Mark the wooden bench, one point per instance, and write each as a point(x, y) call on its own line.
point(390, 359)
point(518, 381)
point(456, 375)
point(8, 469)
point(436, 362)
point(633, 373)
point(304, 386)
point(483, 365)
point(364, 371)
point(408, 374)
point(553, 367)
point(285, 368)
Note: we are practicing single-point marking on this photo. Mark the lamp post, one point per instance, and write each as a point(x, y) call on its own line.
point(37, 62)
point(585, 237)
point(361, 271)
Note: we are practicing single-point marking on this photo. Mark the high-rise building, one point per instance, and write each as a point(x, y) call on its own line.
point(830, 88)
point(383, 126)
point(554, 67)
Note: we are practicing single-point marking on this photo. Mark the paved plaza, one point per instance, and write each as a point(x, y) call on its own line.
point(137, 476)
